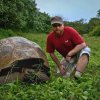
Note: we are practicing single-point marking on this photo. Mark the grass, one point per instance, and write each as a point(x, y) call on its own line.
point(58, 88)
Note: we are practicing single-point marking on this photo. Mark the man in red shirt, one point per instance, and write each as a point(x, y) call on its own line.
point(68, 42)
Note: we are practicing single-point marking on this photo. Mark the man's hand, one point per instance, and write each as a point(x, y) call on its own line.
point(62, 70)
point(68, 58)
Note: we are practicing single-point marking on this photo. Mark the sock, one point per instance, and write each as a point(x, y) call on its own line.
point(78, 74)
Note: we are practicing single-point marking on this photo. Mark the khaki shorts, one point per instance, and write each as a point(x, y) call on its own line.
point(72, 64)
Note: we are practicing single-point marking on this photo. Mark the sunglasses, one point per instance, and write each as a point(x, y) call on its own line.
point(56, 25)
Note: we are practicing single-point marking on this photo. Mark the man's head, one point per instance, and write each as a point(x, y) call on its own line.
point(56, 19)
point(57, 25)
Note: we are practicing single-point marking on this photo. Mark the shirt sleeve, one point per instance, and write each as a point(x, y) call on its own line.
point(49, 45)
point(76, 37)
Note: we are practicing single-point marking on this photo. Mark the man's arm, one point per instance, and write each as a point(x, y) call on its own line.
point(77, 39)
point(75, 50)
point(60, 66)
point(55, 59)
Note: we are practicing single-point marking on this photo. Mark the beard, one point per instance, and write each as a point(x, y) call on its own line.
point(58, 33)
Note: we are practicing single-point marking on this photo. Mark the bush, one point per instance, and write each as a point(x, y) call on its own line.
point(95, 31)
point(6, 33)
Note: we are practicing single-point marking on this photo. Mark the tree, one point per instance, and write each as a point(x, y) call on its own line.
point(15, 13)
point(80, 26)
point(95, 31)
point(98, 13)
point(93, 22)
point(23, 15)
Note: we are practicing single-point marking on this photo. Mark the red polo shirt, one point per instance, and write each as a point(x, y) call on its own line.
point(65, 42)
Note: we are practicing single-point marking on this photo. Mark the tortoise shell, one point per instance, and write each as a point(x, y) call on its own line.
point(20, 52)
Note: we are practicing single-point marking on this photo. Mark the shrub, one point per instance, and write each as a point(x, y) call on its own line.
point(95, 31)
point(6, 33)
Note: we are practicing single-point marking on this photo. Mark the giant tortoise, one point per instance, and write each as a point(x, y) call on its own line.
point(22, 59)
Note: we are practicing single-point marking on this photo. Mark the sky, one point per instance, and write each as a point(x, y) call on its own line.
point(70, 10)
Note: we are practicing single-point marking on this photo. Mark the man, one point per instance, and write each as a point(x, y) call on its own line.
point(68, 42)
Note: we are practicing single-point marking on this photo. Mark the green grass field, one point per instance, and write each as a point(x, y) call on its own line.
point(59, 88)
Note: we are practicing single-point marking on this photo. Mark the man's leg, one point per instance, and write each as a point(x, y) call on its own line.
point(69, 66)
point(81, 64)
point(64, 63)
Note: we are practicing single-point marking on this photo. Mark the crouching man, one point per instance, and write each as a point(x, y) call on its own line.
point(68, 42)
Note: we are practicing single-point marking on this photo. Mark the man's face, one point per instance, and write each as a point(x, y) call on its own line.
point(58, 28)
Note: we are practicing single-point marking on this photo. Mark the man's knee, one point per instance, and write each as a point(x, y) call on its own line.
point(84, 57)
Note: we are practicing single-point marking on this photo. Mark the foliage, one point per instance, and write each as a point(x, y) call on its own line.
point(59, 88)
point(22, 15)
point(98, 13)
point(41, 22)
point(80, 26)
point(95, 31)
point(93, 23)
point(6, 33)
